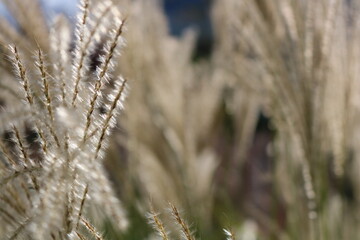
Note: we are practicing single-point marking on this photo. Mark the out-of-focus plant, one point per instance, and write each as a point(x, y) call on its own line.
point(302, 57)
point(177, 137)
point(170, 132)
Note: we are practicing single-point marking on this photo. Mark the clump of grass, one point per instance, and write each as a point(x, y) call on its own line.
point(177, 102)
point(189, 125)
point(298, 58)
point(56, 120)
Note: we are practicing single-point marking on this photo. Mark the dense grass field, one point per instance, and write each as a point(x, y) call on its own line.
point(113, 128)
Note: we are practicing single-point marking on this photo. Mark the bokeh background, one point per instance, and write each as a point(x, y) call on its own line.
point(181, 15)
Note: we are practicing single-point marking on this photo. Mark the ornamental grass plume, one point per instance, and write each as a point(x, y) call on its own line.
point(174, 128)
point(175, 104)
point(301, 59)
point(57, 112)
point(189, 133)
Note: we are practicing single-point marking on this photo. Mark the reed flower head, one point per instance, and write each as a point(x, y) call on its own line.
point(59, 115)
